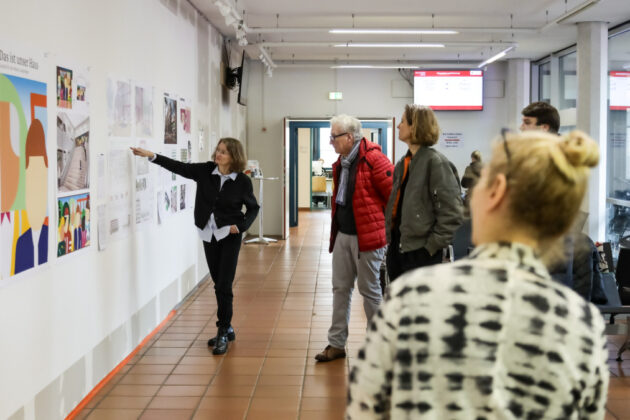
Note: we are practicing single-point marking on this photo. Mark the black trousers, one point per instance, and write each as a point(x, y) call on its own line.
point(222, 257)
point(399, 263)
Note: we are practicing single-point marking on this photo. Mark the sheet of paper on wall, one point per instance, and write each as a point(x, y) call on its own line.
point(253, 169)
point(24, 189)
point(119, 120)
point(119, 203)
point(143, 111)
point(101, 180)
point(73, 130)
point(452, 140)
point(101, 213)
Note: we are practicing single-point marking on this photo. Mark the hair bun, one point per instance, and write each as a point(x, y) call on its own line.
point(579, 149)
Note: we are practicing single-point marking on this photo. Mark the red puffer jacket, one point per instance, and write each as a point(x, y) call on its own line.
point(371, 191)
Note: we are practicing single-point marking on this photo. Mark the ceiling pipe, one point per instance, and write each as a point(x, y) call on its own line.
point(274, 30)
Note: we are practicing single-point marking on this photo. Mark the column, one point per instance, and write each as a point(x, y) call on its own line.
point(592, 70)
point(518, 89)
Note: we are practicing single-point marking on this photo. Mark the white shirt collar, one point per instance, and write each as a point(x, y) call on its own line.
point(231, 175)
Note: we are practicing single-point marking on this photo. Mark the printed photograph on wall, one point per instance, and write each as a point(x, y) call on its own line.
point(64, 88)
point(185, 119)
point(144, 111)
point(73, 151)
point(174, 199)
point(23, 175)
point(170, 120)
point(81, 93)
point(73, 223)
point(182, 197)
point(118, 108)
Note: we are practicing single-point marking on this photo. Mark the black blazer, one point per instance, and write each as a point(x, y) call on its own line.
point(226, 204)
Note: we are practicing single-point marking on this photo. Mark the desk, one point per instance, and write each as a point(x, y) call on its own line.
point(261, 239)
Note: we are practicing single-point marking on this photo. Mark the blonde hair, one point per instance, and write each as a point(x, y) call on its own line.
point(236, 151)
point(547, 177)
point(425, 129)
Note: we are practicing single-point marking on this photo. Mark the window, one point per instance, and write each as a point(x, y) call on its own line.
point(544, 82)
point(618, 165)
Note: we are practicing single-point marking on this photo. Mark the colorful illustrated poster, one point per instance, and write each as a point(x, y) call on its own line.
point(73, 132)
point(73, 227)
point(170, 120)
point(118, 108)
point(24, 220)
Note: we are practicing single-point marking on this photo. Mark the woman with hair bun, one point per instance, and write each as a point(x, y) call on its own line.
point(493, 336)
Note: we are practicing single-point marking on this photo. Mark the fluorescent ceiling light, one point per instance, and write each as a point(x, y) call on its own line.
point(496, 57)
point(393, 31)
point(390, 45)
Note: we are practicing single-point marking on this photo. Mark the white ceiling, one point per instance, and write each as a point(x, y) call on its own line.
point(486, 27)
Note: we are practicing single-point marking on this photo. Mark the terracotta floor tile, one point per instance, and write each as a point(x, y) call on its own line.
point(234, 404)
point(114, 414)
point(143, 379)
point(323, 415)
point(134, 390)
point(274, 404)
point(219, 414)
point(182, 391)
point(295, 380)
point(151, 369)
point(167, 415)
point(323, 404)
point(194, 370)
point(124, 402)
point(230, 391)
point(189, 380)
point(232, 380)
point(271, 414)
point(174, 402)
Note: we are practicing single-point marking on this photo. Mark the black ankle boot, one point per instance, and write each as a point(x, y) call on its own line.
point(230, 335)
point(221, 343)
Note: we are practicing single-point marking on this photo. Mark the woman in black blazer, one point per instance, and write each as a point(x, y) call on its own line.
point(222, 190)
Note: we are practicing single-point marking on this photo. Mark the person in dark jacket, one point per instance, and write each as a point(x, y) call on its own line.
point(362, 179)
point(222, 191)
point(425, 205)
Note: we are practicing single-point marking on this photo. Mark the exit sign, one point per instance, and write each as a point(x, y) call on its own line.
point(335, 96)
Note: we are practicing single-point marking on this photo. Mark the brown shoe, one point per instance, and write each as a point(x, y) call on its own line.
point(330, 353)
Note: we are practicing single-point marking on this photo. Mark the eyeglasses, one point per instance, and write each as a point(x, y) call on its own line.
point(508, 155)
point(334, 136)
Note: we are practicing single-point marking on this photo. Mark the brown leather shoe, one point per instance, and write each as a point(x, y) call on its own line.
point(330, 353)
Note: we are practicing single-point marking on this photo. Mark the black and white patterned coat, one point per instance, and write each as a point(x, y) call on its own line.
point(488, 337)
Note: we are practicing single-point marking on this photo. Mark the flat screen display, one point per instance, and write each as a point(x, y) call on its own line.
point(619, 90)
point(449, 90)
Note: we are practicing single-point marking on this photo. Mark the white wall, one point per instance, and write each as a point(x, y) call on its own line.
point(303, 93)
point(66, 326)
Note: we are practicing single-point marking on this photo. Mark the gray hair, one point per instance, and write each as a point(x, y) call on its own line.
point(348, 124)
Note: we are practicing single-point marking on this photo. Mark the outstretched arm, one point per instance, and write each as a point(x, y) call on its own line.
point(187, 170)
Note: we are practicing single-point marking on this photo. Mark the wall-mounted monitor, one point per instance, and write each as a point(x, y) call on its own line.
point(449, 90)
point(619, 93)
point(243, 80)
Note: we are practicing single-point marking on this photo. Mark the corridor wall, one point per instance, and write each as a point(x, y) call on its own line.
point(67, 324)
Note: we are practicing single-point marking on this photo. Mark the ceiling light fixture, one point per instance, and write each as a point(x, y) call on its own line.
point(394, 31)
point(496, 57)
point(373, 66)
point(389, 45)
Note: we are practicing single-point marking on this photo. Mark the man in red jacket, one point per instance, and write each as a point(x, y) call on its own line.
point(362, 178)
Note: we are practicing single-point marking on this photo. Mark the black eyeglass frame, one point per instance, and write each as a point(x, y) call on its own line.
point(332, 138)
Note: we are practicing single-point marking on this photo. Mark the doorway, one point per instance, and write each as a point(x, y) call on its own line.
point(311, 156)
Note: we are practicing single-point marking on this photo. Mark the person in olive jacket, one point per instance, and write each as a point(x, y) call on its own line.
point(222, 191)
point(425, 205)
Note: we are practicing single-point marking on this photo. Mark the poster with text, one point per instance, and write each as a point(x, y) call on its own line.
point(73, 223)
point(24, 164)
point(73, 131)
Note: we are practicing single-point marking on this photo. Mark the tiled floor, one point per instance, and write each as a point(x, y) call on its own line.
point(282, 312)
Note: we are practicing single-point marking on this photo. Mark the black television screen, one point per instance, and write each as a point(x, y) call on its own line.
point(243, 80)
point(449, 90)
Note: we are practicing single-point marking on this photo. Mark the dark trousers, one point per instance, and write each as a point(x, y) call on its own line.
point(222, 257)
point(399, 262)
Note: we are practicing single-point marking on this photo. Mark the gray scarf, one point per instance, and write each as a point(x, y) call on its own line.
point(346, 162)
